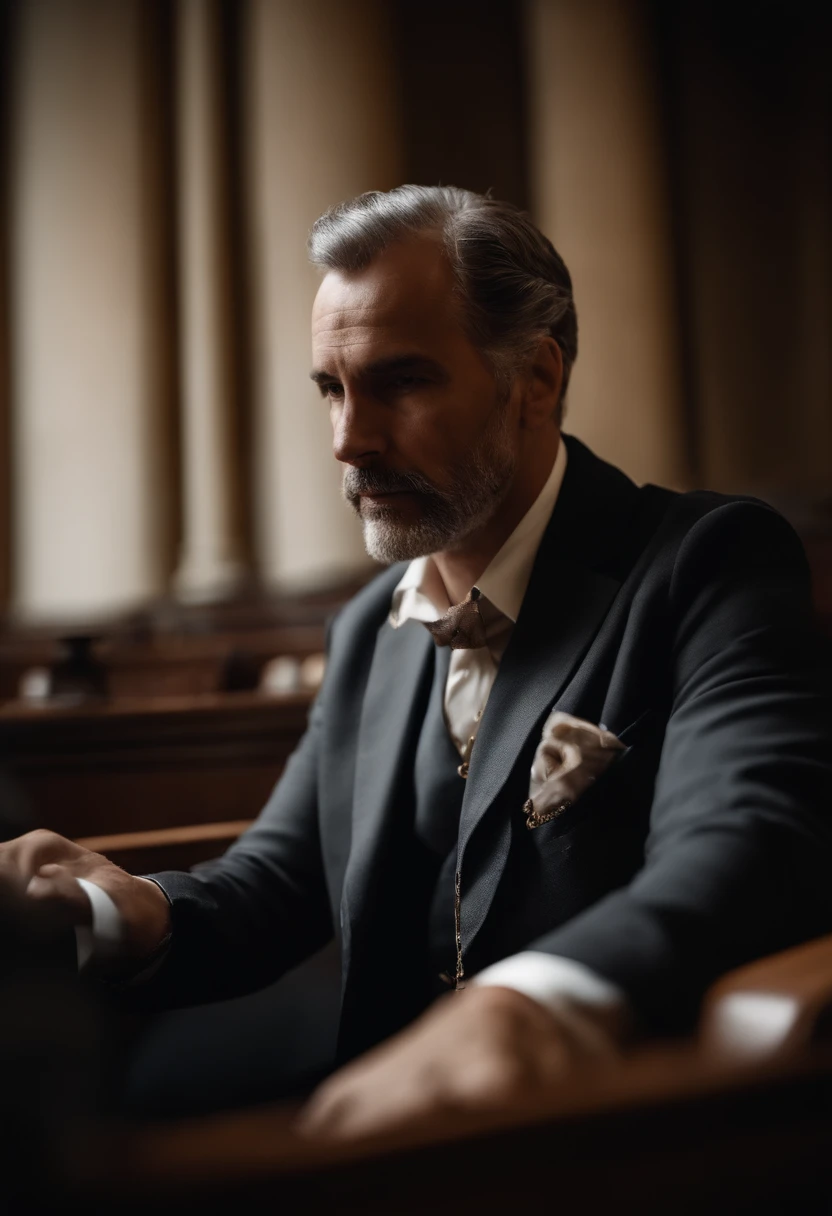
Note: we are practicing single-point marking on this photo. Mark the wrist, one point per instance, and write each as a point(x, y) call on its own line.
point(150, 929)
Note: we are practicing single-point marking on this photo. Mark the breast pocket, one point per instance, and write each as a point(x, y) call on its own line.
point(626, 784)
point(562, 819)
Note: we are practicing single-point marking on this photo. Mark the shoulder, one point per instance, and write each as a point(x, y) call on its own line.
point(352, 633)
point(724, 529)
point(364, 614)
point(629, 528)
point(709, 544)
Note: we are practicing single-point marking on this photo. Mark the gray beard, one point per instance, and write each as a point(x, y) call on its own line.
point(477, 490)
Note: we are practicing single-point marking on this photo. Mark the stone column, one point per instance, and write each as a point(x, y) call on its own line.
point(600, 194)
point(212, 562)
point(320, 106)
point(86, 428)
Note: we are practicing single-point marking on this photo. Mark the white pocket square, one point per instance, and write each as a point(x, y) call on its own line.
point(570, 756)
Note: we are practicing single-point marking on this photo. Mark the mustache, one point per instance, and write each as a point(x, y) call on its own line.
point(384, 481)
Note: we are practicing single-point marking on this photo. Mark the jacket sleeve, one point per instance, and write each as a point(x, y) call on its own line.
point(239, 923)
point(738, 860)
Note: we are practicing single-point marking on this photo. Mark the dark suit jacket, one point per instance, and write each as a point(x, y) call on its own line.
point(683, 623)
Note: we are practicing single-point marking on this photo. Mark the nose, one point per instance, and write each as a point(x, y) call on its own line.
point(357, 430)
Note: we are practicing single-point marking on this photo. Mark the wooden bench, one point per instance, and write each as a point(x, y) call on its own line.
point(153, 783)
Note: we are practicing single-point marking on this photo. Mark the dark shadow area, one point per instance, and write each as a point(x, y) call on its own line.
point(271, 1045)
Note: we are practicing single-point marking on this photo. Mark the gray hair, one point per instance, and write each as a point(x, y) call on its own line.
point(513, 284)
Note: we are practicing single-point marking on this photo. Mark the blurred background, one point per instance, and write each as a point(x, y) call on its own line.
point(172, 538)
point(162, 163)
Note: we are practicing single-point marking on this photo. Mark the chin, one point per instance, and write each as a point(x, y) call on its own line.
point(387, 542)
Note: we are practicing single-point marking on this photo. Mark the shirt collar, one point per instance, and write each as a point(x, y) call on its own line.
point(420, 595)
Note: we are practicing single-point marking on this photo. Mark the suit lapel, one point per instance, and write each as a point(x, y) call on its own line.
point(391, 717)
point(531, 679)
point(574, 581)
point(570, 592)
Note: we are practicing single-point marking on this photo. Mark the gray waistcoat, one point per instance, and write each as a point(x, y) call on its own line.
point(438, 792)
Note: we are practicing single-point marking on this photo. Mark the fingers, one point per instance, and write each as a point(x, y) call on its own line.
point(355, 1107)
point(54, 888)
point(325, 1114)
point(26, 854)
point(352, 1102)
point(491, 1051)
point(46, 867)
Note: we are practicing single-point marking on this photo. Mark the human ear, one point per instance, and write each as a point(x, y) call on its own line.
point(545, 377)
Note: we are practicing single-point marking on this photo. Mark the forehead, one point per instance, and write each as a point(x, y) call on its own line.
point(403, 300)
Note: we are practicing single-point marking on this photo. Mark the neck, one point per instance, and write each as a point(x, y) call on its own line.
point(460, 568)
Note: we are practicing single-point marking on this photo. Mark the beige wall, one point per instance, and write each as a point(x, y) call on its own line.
point(212, 557)
point(141, 284)
point(322, 129)
point(92, 485)
point(599, 193)
point(85, 495)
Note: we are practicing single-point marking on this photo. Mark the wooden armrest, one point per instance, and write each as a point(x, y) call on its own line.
point(774, 1008)
point(708, 1137)
point(166, 848)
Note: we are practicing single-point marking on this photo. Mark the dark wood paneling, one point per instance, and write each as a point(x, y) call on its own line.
point(140, 766)
point(462, 95)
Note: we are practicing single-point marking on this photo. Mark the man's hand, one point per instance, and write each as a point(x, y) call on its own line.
point(486, 1048)
point(44, 866)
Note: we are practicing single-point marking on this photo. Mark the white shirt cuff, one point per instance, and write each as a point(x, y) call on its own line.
point(102, 938)
point(595, 1011)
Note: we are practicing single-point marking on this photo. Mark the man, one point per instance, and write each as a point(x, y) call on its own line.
point(571, 757)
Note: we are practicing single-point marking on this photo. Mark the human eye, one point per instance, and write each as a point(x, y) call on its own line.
point(331, 390)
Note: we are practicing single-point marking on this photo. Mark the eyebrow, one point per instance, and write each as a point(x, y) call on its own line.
point(394, 364)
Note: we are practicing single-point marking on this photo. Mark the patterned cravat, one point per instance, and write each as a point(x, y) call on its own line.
point(462, 626)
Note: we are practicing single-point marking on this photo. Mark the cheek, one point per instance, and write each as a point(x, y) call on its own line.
point(440, 430)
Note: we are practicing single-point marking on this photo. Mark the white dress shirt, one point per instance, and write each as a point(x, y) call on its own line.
point(421, 596)
point(591, 1010)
